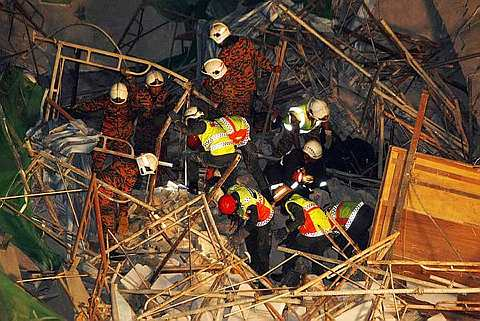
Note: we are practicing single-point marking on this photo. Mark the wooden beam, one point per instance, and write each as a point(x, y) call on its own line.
point(407, 168)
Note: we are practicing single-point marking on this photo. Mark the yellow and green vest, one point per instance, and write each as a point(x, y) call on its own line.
point(237, 128)
point(215, 140)
point(345, 212)
point(248, 197)
point(316, 221)
point(300, 113)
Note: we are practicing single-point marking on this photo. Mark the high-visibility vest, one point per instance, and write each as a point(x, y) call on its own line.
point(215, 139)
point(316, 221)
point(345, 212)
point(248, 197)
point(237, 128)
point(306, 125)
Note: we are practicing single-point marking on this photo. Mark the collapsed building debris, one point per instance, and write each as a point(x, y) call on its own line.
point(178, 261)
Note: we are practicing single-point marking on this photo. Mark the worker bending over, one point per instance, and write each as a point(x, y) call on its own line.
point(119, 114)
point(306, 118)
point(308, 224)
point(301, 169)
point(251, 211)
point(239, 55)
point(355, 218)
point(220, 138)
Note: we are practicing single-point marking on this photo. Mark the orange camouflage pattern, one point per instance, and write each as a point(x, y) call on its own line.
point(146, 131)
point(236, 89)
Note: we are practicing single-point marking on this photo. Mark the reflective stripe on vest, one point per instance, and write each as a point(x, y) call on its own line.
point(237, 128)
point(215, 140)
point(316, 221)
point(249, 197)
point(345, 212)
point(300, 113)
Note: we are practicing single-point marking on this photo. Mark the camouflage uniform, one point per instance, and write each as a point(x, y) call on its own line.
point(236, 89)
point(118, 122)
point(147, 130)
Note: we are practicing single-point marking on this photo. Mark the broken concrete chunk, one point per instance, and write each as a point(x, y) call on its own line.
point(136, 277)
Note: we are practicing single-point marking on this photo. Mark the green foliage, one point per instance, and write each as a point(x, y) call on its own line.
point(21, 100)
point(17, 305)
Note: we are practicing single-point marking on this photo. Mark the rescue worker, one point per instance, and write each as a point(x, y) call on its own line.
point(301, 169)
point(239, 55)
point(303, 119)
point(220, 138)
point(153, 97)
point(118, 122)
point(251, 211)
point(306, 225)
point(356, 218)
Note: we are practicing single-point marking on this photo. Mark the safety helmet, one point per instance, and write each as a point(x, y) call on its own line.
point(147, 164)
point(219, 32)
point(193, 113)
point(215, 68)
point(154, 78)
point(193, 142)
point(280, 192)
point(227, 204)
point(118, 93)
point(318, 109)
point(313, 149)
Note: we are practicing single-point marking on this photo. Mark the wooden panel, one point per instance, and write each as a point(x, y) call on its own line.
point(441, 213)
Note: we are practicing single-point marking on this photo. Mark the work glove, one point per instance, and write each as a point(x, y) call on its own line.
point(307, 179)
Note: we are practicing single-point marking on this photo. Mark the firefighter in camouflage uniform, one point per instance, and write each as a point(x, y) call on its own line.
point(236, 89)
point(118, 122)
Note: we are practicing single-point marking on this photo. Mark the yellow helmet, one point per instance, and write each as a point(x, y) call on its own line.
point(118, 93)
point(219, 32)
point(215, 68)
point(154, 78)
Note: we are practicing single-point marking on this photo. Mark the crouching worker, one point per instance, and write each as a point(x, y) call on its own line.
point(306, 226)
point(252, 212)
point(301, 169)
point(356, 219)
point(220, 138)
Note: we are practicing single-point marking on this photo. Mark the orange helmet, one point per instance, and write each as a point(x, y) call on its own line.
point(227, 204)
point(193, 142)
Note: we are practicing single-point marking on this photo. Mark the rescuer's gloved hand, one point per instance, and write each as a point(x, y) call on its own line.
point(307, 179)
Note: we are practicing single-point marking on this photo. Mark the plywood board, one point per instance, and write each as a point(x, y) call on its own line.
point(440, 220)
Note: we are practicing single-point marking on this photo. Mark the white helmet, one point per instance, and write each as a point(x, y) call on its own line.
point(318, 109)
point(219, 32)
point(147, 164)
point(193, 113)
point(154, 78)
point(118, 93)
point(215, 68)
point(313, 149)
